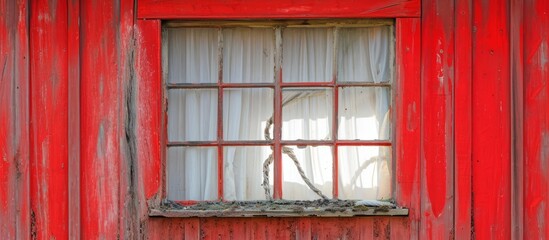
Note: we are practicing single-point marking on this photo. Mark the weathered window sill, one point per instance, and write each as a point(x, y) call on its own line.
point(276, 209)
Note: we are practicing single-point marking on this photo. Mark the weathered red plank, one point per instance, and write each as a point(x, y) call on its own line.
point(108, 205)
point(15, 217)
point(49, 119)
point(491, 127)
point(536, 120)
point(216, 9)
point(100, 126)
point(332, 228)
point(149, 100)
point(437, 156)
point(148, 127)
point(517, 123)
point(408, 123)
point(192, 229)
point(274, 228)
point(73, 131)
point(127, 96)
point(365, 228)
point(381, 229)
point(404, 227)
point(303, 228)
point(463, 119)
point(164, 228)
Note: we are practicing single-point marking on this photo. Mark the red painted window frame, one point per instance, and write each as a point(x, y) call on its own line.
point(280, 9)
point(406, 85)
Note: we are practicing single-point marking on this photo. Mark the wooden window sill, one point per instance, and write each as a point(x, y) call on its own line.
point(276, 209)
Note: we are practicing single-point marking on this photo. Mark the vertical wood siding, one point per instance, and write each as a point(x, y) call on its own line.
point(408, 138)
point(149, 99)
point(536, 119)
point(81, 123)
point(437, 93)
point(15, 215)
point(463, 119)
point(100, 116)
point(108, 203)
point(49, 119)
point(491, 125)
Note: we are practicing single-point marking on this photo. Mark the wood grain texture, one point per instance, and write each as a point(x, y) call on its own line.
point(127, 104)
point(108, 202)
point(100, 121)
point(150, 99)
point(536, 120)
point(282, 9)
point(148, 119)
point(15, 215)
point(273, 228)
point(437, 155)
point(49, 119)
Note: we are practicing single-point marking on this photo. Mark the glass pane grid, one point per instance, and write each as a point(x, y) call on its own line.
point(333, 142)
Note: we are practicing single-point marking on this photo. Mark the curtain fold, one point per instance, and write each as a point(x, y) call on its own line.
point(248, 57)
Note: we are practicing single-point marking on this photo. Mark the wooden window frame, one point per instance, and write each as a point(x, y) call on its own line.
point(407, 99)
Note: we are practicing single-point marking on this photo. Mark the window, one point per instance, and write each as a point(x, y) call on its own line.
point(296, 110)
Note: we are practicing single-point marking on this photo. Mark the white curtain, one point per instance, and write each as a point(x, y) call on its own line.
point(364, 56)
point(192, 114)
point(308, 56)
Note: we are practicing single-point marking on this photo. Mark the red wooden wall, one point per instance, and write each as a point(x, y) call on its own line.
point(79, 153)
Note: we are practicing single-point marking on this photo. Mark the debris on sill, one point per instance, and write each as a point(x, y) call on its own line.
point(319, 207)
point(374, 203)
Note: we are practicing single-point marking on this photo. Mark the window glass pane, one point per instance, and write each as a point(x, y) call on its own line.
point(307, 114)
point(243, 173)
point(248, 55)
point(191, 173)
point(307, 54)
point(192, 55)
point(246, 112)
point(192, 115)
point(363, 113)
point(364, 54)
point(316, 164)
point(364, 172)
